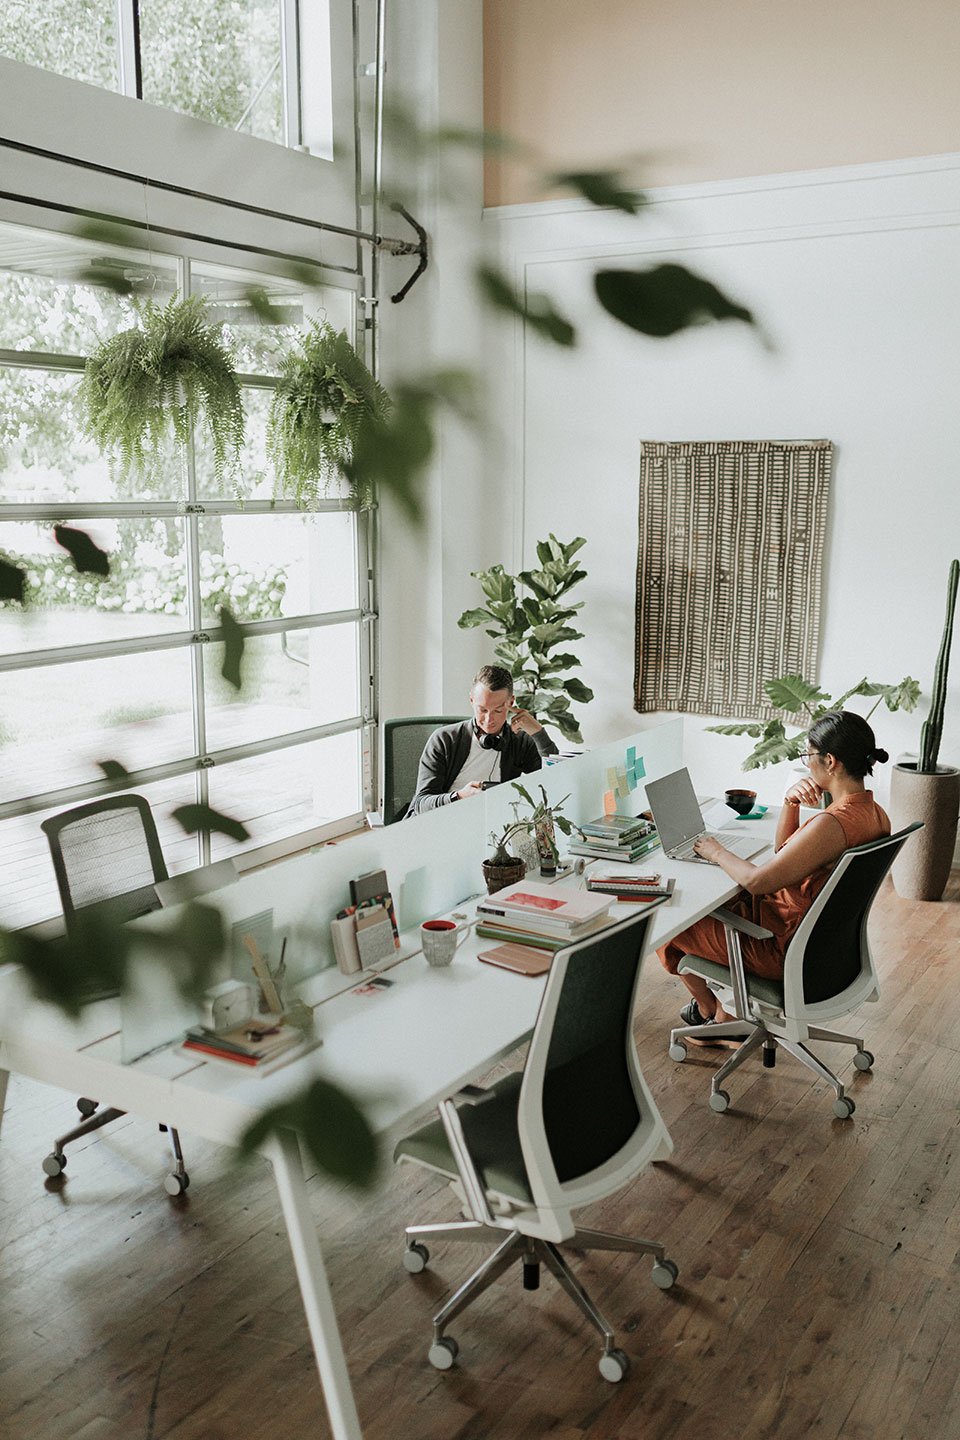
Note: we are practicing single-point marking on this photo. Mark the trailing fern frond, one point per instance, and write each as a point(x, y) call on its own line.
point(173, 371)
point(325, 396)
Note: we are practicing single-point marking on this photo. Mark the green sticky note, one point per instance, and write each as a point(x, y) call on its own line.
point(631, 757)
point(640, 768)
point(621, 787)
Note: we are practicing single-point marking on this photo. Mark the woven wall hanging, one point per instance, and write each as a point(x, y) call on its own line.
point(728, 571)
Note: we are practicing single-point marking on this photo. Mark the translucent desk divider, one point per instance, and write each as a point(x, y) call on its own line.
point(432, 862)
point(585, 777)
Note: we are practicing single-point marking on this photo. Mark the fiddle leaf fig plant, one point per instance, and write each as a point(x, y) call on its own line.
point(325, 396)
point(531, 630)
point(798, 697)
point(171, 371)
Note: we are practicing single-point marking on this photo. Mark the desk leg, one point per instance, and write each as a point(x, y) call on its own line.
point(4, 1077)
point(283, 1152)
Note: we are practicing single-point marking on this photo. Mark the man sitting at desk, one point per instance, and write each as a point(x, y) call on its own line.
point(460, 760)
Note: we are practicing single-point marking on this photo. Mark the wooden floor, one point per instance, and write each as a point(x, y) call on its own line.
point(818, 1296)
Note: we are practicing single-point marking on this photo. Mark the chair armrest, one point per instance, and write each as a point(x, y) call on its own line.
point(745, 927)
point(473, 1189)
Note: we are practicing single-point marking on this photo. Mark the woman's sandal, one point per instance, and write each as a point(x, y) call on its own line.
point(691, 1014)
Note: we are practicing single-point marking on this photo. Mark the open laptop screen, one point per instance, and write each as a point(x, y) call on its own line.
point(676, 814)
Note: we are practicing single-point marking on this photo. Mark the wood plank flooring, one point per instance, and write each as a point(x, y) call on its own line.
point(818, 1296)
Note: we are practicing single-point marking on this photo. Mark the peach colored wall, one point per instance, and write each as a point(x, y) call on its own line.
point(718, 88)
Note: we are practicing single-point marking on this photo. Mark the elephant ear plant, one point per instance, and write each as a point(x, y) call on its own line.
point(172, 370)
point(531, 627)
point(325, 396)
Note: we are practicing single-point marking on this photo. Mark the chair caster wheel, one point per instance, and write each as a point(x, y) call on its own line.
point(843, 1108)
point(415, 1258)
point(719, 1101)
point(863, 1060)
point(54, 1165)
point(175, 1184)
point(664, 1274)
point(443, 1352)
point(613, 1365)
point(87, 1107)
point(677, 1051)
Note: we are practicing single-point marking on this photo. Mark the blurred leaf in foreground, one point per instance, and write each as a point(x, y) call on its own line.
point(262, 306)
point(538, 311)
point(233, 643)
point(194, 818)
point(603, 188)
point(664, 300)
point(85, 553)
point(69, 969)
point(113, 770)
point(12, 581)
point(332, 1127)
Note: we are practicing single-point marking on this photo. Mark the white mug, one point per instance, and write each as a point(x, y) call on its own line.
point(440, 939)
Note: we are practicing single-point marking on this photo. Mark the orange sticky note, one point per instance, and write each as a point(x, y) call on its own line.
point(609, 803)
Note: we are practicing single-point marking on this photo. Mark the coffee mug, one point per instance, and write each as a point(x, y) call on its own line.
point(742, 801)
point(440, 939)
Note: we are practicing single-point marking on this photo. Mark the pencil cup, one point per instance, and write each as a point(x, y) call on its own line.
point(440, 939)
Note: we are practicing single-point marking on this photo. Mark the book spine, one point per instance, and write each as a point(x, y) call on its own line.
point(520, 937)
point(523, 919)
point(220, 1053)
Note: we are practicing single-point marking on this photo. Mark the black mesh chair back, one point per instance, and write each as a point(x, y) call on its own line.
point(835, 950)
point(591, 1093)
point(106, 852)
point(403, 742)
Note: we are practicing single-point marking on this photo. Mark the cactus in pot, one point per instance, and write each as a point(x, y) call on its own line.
point(927, 791)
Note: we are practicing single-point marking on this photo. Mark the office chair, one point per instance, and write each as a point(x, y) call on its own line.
point(828, 972)
point(576, 1126)
point(403, 742)
point(107, 854)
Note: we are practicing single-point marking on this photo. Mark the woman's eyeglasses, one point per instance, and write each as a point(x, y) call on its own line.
point(808, 754)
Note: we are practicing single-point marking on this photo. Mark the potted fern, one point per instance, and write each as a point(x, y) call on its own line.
point(325, 395)
point(926, 790)
point(169, 372)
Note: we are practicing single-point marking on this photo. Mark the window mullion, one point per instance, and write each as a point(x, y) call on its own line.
point(290, 72)
point(128, 42)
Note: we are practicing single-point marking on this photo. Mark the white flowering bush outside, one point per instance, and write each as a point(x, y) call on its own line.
point(160, 588)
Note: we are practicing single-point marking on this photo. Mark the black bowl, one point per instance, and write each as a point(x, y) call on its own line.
point(742, 801)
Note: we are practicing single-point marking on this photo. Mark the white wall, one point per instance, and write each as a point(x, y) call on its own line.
point(853, 274)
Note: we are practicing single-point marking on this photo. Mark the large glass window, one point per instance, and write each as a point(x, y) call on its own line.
point(225, 61)
point(127, 668)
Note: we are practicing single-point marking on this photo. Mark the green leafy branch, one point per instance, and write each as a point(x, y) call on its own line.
point(798, 697)
point(530, 628)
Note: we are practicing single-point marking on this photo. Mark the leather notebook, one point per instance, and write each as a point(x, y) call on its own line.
point(523, 959)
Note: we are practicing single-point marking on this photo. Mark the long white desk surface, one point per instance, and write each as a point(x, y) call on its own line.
point(398, 1051)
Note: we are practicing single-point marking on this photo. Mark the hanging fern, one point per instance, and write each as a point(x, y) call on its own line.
point(172, 369)
point(325, 395)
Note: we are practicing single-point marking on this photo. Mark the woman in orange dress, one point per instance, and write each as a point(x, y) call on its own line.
point(841, 750)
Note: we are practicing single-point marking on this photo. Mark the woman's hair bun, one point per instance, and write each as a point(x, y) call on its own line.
point(880, 757)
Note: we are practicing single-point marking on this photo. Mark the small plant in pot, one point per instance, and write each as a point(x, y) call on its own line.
point(325, 395)
point(503, 868)
point(926, 790)
point(543, 822)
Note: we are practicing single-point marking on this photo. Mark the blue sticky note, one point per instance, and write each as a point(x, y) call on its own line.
point(631, 757)
point(640, 768)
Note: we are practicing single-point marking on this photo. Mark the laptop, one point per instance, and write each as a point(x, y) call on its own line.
point(679, 821)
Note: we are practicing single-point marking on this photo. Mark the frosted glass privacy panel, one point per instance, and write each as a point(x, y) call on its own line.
point(586, 778)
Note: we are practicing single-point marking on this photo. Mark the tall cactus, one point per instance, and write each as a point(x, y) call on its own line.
point(932, 728)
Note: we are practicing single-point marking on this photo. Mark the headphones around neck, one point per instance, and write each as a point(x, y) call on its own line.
point(489, 742)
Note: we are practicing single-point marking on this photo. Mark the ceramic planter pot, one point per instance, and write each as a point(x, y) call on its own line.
point(499, 876)
point(921, 870)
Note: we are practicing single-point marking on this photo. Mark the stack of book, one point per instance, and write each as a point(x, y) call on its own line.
point(639, 888)
point(260, 1044)
point(615, 837)
point(541, 915)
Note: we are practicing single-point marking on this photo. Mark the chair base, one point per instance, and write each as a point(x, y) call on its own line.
point(511, 1247)
point(175, 1183)
point(760, 1035)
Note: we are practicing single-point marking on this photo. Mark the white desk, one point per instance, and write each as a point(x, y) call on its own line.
point(398, 1052)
